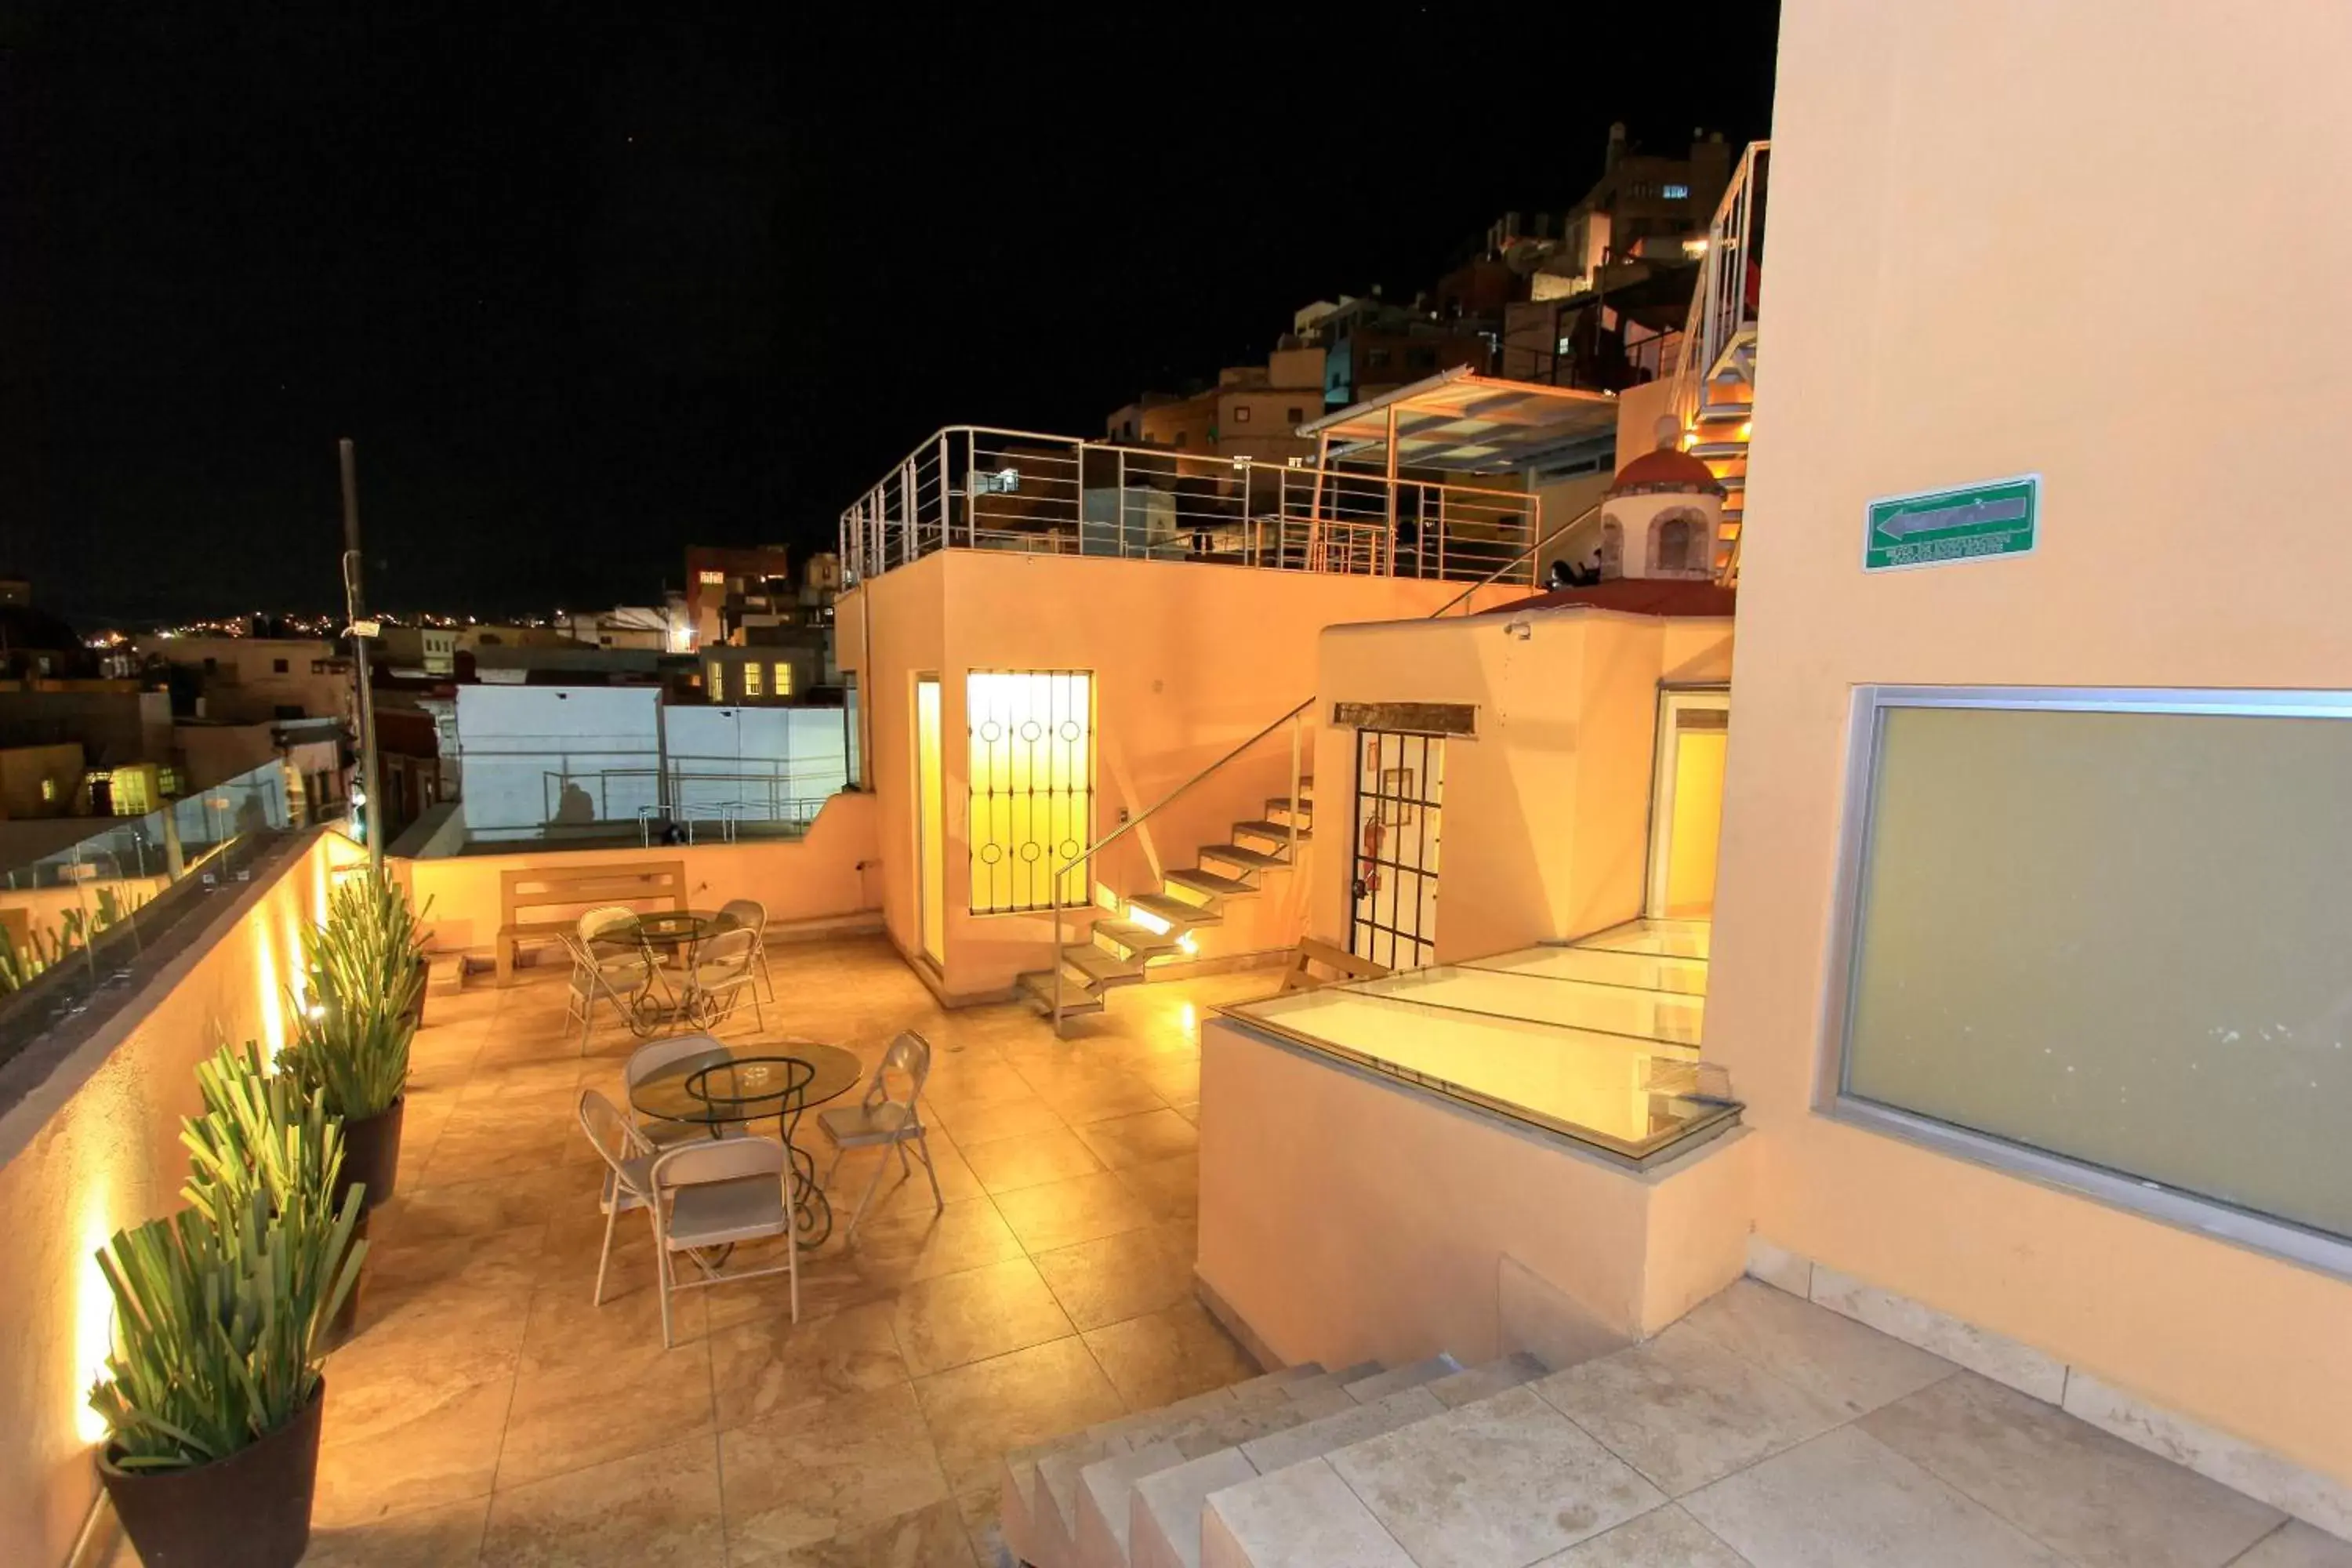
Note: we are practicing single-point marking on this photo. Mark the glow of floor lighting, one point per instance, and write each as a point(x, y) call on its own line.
point(1191, 1019)
point(93, 1316)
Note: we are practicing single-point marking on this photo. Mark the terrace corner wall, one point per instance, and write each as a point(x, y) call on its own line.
point(94, 1147)
point(1993, 229)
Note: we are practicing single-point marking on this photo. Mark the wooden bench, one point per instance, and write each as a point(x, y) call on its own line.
point(1301, 976)
point(645, 886)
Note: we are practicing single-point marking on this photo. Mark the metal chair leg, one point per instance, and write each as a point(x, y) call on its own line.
point(938, 1198)
point(612, 1216)
point(871, 1188)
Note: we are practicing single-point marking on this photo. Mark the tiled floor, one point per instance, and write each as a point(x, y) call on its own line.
point(485, 1411)
point(1761, 1431)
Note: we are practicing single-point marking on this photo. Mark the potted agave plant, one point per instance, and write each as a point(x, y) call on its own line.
point(365, 975)
point(212, 1393)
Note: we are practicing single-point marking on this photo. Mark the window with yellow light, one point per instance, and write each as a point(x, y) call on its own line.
point(1032, 776)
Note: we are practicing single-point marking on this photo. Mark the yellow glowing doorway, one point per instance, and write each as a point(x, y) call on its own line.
point(1686, 803)
point(930, 822)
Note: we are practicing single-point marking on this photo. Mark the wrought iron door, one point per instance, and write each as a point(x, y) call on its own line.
point(1400, 797)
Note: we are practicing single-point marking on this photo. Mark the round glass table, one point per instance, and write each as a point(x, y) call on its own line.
point(750, 1080)
point(679, 931)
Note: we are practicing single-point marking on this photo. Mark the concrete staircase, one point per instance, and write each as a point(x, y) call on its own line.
point(1134, 1492)
point(1159, 926)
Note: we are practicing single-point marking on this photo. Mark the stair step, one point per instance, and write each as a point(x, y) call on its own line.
point(1305, 1515)
point(1487, 1380)
point(1076, 1002)
point(1209, 885)
point(1140, 940)
point(1239, 855)
point(1179, 914)
point(1279, 832)
point(1102, 968)
point(1277, 805)
point(1725, 413)
point(1577, 1489)
point(1168, 1505)
point(1719, 451)
point(1106, 1491)
point(1379, 1385)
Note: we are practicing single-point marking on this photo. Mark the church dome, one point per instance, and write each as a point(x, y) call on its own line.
point(1668, 469)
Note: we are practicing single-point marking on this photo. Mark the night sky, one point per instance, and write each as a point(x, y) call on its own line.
point(587, 285)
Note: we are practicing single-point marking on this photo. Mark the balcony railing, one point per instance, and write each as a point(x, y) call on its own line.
point(969, 487)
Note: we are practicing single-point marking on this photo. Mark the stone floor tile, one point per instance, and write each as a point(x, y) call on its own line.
point(1139, 1139)
point(608, 1345)
point(1504, 1480)
point(1682, 1411)
point(2298, 1545)
point(2095, 1497)
point(1114, 1278)
point(1168, 1190)
point(449, 1536)
point(932, 1537)
point(561, 1421)
point(1846, 1500)
point(1303, 1515)
point(1169, 1355)
point(956, 1319)
point(1663, 1538)
point(976, 1413)
point(440, 1450)
point(1028, 1160)
point(770, 1365)
point(978, 1508)
point(1853, 1366)
point(654, 1510)
point(805, 1476)
point(969, 1123)
point(1063, 1214)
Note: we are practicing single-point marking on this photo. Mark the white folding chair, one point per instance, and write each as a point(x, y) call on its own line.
point(624, 978)
point(718, 1195)
point(608, 923)
point(650, 1059)
point(629, 1169)
point(751, 915)
point(878, 1121)
point(723, 978)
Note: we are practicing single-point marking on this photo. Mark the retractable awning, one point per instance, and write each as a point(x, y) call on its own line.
point(1475, 423)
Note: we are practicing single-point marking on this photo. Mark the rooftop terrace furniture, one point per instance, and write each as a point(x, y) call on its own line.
point(628, 1165)
point(540, 903)
point(712, 1194)
point(753, 914)
point(625, 978)
point(724, 974)
point(880, 1122)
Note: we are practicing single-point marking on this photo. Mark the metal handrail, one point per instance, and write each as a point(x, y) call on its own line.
point(1086, 856)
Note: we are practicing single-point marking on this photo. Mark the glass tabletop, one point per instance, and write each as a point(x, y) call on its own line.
point(678, 925)
point(747, 1081)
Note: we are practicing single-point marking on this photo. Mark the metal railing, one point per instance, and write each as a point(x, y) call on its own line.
point(1083, 862)
point(1718, 307)
point(971, 488)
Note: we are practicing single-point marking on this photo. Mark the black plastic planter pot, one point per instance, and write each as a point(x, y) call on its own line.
point(338, 1327)
point(371, 1155)
point(251, 1510)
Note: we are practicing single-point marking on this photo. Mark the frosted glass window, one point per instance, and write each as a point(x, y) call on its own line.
point(2120, 937)
point(1032, 795)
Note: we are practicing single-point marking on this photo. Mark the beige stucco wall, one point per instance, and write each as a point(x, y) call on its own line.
point(1344, 1218)
point(814, 878)
point(94, 1148)
point(1931, 317)
point(1547, 809)
point(1189, 660)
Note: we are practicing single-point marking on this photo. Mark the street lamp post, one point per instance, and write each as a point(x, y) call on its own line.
point(355, 607)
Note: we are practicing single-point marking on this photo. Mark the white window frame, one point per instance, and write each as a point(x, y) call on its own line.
point(2175, 1206)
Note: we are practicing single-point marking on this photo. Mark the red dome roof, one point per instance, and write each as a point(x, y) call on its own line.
point(1667, 468)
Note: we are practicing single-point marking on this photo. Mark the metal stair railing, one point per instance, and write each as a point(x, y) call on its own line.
point(1084, 861)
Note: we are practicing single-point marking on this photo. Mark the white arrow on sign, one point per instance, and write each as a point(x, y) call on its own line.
point(1905, 523)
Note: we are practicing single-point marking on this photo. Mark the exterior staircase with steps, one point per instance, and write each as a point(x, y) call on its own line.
point(1763, 1427)
point(1718, 438)
point(1119, 949)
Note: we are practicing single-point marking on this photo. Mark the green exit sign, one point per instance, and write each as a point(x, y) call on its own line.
point(2000, 517)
